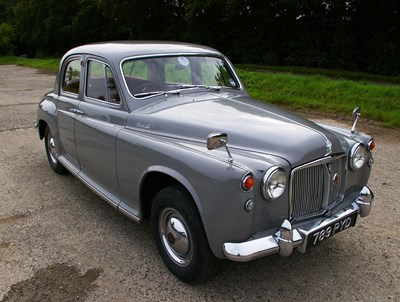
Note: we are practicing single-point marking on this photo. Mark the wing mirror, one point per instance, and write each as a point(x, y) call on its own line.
point(219, 140)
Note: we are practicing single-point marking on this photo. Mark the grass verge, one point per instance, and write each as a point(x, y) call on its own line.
point(336, 74)
point(49, 64)
point(379, 102)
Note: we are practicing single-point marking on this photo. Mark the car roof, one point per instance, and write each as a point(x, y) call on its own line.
point(118, 50)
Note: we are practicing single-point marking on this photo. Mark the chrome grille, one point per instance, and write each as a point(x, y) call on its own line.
point(308, 191)
point(312, 190)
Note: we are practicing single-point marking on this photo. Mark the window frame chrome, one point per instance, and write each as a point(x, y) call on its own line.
point(86, 78)
point(177, 54)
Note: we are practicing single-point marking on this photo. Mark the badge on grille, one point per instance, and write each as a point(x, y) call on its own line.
point(335, 180)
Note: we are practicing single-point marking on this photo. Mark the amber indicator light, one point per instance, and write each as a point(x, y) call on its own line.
point(371, 145)
point(248, 182)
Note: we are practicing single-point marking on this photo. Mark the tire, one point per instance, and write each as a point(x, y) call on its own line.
point(50, 147)
point(180, 237)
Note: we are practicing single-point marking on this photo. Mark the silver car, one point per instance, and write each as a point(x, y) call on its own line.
point(166, 131)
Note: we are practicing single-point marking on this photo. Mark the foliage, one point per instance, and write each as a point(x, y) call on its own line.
point(355, 35)
point(6, 39)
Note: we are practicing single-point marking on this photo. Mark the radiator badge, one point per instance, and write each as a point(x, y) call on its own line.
point(335, 180)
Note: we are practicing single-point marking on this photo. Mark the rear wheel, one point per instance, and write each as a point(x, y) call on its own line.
point(180, 236)
point(50, 146)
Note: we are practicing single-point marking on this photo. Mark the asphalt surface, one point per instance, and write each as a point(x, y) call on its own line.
point(60, 242)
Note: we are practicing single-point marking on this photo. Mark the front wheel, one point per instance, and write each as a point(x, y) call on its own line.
point(180, 236)
point(50, 146)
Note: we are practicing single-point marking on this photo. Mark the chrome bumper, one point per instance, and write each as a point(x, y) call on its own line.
point(286, 238)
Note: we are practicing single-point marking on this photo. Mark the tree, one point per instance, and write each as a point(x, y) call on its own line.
point(6, 39)
point(343, 34)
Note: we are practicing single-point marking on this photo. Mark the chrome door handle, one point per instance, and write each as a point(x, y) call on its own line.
point(76, 111)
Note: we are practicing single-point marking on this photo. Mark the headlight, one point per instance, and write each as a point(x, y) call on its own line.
point(358, 155)
point(273, 183)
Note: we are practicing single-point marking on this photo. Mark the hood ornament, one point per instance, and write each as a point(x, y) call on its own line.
point(356, 115)
point(328, 145)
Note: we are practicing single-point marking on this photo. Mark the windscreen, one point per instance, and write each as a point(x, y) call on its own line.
point(149, 76)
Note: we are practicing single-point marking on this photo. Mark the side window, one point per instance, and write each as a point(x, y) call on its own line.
point(100, 83)
point(72, 76)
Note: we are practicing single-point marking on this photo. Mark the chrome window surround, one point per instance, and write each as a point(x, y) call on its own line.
point(105, 65)
point(161, 55)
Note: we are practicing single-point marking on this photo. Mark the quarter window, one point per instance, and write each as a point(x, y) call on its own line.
point(72, 76)
point(101, 84)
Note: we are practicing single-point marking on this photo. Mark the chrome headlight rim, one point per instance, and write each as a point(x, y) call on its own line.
point(358, 156)
point(271, 187)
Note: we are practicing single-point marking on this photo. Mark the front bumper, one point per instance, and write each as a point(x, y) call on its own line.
point(286, 238)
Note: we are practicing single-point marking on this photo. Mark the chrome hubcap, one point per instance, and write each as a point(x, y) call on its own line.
point(175, 236)
point(52, 149)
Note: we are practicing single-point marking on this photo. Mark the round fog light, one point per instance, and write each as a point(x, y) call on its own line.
point(249, 205)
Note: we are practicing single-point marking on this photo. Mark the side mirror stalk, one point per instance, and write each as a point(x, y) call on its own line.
point(356, 115)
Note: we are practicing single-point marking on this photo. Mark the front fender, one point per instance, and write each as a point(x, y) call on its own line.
point(213, 183)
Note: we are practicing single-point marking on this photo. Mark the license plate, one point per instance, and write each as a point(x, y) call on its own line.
point(329, 230)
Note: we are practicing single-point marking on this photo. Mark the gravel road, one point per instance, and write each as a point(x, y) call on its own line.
point(60, 242)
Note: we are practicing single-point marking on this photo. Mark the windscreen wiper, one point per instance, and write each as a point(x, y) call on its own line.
point(176, 91)
point(150, 93)
point(188, 86)
point(156, 93)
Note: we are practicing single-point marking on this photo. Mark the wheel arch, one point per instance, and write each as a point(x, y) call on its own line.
point(41, 128)
point(157, 178)
point(46, 115)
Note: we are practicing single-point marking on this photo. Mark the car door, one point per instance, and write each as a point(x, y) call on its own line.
point(102, 116)
point(67, 109)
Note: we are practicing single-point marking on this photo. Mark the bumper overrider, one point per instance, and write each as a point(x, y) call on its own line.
point(286, 238)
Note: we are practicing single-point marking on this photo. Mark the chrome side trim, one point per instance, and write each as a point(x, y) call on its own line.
point(286, 238)
point(97, 192)
point(129, 215)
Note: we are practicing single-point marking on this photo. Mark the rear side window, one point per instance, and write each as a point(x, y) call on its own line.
point(72, 75)
point(100, 83)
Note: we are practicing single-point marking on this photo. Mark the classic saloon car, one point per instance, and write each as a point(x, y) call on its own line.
point(166, 131)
